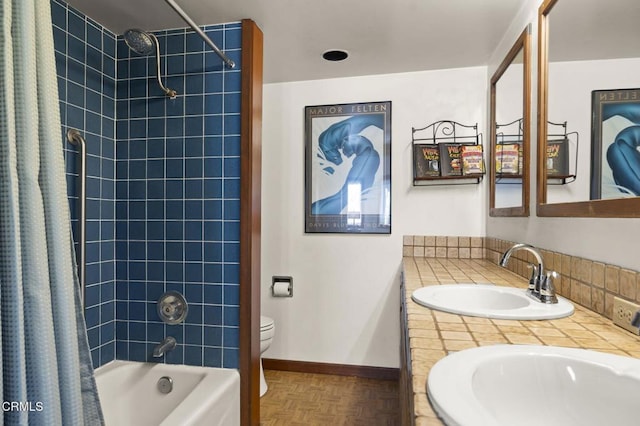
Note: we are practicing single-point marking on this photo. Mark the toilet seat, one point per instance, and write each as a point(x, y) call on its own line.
point(266, 334)
point(267, 328)
point(266, 323)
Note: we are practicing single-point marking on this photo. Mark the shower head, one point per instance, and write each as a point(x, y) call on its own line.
point(144, 43)
point(140, 41)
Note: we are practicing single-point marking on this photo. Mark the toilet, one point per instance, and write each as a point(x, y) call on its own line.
point(267, 329)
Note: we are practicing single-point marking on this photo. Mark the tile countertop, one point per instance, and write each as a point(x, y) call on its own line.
point(434, 334)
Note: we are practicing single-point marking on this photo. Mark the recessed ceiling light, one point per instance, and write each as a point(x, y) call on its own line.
point(335, 55)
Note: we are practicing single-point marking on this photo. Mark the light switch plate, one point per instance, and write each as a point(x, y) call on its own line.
point(623, 312)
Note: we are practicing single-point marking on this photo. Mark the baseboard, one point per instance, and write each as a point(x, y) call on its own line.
point(367, 372)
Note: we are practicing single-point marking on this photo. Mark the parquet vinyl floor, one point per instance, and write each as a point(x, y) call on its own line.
point(307, 399)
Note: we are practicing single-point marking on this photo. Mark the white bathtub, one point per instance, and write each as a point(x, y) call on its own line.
point(201, 396)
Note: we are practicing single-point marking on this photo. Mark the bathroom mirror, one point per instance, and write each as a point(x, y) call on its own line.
point(588, 57)
point(509, 118)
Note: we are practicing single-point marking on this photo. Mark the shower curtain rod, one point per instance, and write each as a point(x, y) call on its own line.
point(197, 29)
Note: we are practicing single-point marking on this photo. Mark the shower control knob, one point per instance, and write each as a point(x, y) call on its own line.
point(172, 307)
point(169, 309)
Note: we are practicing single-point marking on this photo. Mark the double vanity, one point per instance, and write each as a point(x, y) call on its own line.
point(476, 350)
point(485, 345)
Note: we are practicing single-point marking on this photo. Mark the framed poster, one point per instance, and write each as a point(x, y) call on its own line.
point(615, 138)
point(348, 168)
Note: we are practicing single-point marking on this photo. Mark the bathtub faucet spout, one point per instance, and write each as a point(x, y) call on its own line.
point(168, 344)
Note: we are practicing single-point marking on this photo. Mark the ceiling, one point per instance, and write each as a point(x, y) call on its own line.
point(601, 30)
point(381, 36)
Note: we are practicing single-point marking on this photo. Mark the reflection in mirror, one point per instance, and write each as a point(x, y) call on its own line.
point(589, 77)
point(509, 118)
point(561, 160)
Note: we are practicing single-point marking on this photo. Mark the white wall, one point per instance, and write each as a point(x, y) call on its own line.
point(346, 299)
point(345, 304)
point(609, 240)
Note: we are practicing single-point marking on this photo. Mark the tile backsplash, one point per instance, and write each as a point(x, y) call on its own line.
point(443, 247)
point(587, 282)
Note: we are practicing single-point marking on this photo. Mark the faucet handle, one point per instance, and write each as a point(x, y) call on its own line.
point(534, 277)
point(547, 289)
point(635, 321)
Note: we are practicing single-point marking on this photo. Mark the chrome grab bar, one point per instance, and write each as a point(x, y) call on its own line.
point(75, 138)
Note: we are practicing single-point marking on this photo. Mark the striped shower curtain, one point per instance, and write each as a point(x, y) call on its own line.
point(47, 376)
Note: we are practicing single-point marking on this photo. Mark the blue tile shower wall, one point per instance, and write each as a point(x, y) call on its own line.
point(86, 68)
point(163, 186)
point(178, 197)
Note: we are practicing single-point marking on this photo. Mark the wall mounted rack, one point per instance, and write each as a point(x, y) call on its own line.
point(447, 153)
point(560, 145)
point(508, 152)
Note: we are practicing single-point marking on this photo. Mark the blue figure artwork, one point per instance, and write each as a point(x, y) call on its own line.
point(343, 140)
point(623, 155)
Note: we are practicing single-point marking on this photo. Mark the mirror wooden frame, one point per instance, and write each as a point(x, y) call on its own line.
point(522, 43)
point(622, 207)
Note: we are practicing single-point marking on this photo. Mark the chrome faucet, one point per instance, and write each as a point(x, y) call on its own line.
point(541, 285)
point(168, 344)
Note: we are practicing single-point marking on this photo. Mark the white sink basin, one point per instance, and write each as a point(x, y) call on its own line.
point(535, 385)
point(489, 301)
